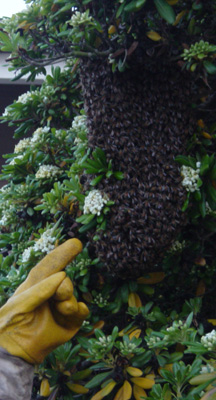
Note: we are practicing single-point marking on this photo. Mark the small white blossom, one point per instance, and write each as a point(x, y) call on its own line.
point(79, 124)
point(13, 161)
point(25, 97)
point(79, 18)
point(209, 340)
point(47, 171)
point(95, 202)
point(209, 209)
point(19, 147)
point(27, 254)
point(38, 134)
point(46, 243)
point(206, 369)
point(190, 177)
point(177, 247)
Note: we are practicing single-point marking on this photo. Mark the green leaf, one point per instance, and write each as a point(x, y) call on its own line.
point(165, 11)
point(87, 227)
point(30, 211)
point(131, 6)
point(96, 180)
point(120, 10)
point(210, 67)
point(97, 380)
point(211, 191)
point(118, 175)
point(85, 219)
point(188, 161)
point(140, 3)
point(6, 42)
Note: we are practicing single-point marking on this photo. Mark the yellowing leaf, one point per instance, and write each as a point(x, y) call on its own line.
point(167, 367)
point(179, 17)
point(144, 383)
point(210, 395)
point(202, 378)
point(138, 392)
point(105, 391)
point(76, 388)
point(212, 321)
point(172, 2)
point(136, 333)
point(201, 288)
point(124, 332)
point(153, 36)
point(111, 30)
point(125, 392)
point(200, 123)
point(153, 277)
point(134, 300)
point(134, 371)
point(45, 388)
point(206, 135)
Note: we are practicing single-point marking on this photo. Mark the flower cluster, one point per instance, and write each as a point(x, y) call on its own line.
point(37, 136)
point(95, 202)
point(100, 300)
point(100, 347)
point(207, 369)
point(46, 93)
point(127, 348)
point(153, 341)
point(79, 124)
point(177, 247)
point(190, 177)
point(46, 243)
point(47, 171)
point(23, 143)
point(26, 255)
point(25, 97)
point(198, 50)
point(209, 340)
point(79, 18)
point(7, 213)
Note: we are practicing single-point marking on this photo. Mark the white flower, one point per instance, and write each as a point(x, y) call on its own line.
point(19, 147)
point(177, 246)
point(13, 162)
point(209, 340)
point(25, 97)
point(47, 171)
point(46, 243)
point(95, 202)
point(79, 18)
point(79, 124)
point(206, 369)
point(190, 177)
point(27, 254)
point(38, 134)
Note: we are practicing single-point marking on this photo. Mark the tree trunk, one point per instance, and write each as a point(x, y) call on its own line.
point(142, 119)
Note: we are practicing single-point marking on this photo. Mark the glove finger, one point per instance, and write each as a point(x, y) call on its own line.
point(78, 317)
point(33, 297)
point(70, 316)
point(64, 291)
point(54, 262)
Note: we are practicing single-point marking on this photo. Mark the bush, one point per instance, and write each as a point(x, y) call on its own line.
point(122, 156)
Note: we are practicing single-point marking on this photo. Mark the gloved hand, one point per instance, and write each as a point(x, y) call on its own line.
point(43, 313)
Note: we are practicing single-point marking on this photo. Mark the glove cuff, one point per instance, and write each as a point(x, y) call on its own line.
point(14, 348)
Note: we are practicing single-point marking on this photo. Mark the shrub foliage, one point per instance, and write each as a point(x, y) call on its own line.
point(117, 148)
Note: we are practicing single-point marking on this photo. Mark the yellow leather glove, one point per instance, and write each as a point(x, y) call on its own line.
point(43, 313)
